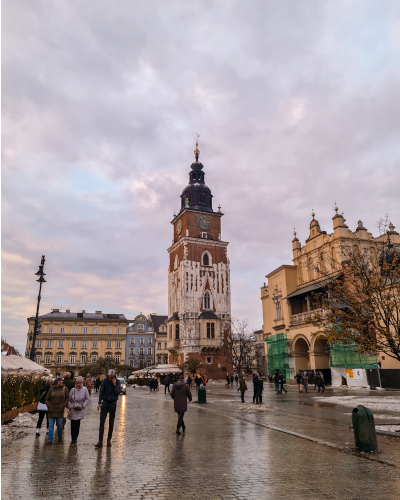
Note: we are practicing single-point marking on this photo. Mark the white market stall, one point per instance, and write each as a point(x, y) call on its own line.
point(16, 365)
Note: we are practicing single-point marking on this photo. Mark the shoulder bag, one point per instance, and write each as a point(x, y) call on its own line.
point(76, 406)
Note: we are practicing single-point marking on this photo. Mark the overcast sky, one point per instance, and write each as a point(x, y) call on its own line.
point(297, 104)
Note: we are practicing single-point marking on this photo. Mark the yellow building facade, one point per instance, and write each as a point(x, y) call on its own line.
point(291, 343)
point(71, 340)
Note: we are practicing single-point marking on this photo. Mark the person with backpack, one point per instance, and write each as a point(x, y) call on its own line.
point(78, 400)
point(242, 387)
point(56, 402)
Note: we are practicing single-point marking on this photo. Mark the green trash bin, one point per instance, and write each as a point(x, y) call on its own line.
point(202, 395)
point(364, 429)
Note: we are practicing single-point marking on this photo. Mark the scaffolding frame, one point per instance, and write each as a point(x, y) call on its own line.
point(278, 354)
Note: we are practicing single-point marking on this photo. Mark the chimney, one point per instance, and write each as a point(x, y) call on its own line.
point(153, 314)
point(83, 311)
point(56, 310)
point(67, 310)
point(98, 312)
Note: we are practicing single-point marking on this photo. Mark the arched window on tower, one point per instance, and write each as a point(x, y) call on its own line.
point(206, 260)
point(201, 197)
point(207, 300)
point(176, 262)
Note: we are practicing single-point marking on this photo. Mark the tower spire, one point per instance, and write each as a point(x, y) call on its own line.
point(196, 151)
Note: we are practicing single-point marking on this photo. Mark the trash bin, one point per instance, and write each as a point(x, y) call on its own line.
point(364, 429)
point(202, 395)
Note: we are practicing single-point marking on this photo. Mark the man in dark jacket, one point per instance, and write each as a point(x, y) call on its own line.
point(68, 382)
point(167, 383)
point(110, 389)
point(98, 384)
point(257, 389)
point(180, 394)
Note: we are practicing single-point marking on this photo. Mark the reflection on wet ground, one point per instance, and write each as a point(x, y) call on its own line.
point(221, 456)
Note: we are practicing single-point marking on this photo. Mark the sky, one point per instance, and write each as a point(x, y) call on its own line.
point(297, 105)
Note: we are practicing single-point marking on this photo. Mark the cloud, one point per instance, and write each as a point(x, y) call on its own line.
point(297, 108)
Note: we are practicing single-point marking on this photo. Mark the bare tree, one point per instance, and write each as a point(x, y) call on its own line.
point(240, 347)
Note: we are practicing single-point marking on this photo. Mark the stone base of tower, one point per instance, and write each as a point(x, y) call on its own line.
point(216, 370)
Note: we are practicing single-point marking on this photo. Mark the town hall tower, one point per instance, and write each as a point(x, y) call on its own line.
point(199, 298)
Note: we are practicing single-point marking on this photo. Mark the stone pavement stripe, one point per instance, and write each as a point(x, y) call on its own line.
point(290, 433)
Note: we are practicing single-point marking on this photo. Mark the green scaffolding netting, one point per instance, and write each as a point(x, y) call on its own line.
point(348, 356)
point(277, 354)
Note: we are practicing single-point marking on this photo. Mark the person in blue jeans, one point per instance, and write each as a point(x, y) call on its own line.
point(56, 402)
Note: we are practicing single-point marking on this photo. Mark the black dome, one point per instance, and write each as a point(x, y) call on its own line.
point(197, 193)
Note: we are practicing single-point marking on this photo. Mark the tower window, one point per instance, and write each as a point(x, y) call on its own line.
point(176, 332)
point(207, 300)
point(202, 198)
point(204, 236)
point(211, 330)
point(206, 259)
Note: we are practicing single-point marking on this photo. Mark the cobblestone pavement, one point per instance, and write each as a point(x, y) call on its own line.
point(221, 456)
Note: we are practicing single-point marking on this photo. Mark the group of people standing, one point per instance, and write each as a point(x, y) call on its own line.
point(258, 387)
point(66, 398)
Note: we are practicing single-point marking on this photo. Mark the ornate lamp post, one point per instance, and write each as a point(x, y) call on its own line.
point(36, 328)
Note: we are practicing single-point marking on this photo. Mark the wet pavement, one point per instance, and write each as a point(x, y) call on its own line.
point(227, 452)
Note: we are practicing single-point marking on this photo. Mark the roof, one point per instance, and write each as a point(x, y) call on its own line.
point(208, 315)
point(174, 317)
point(157, 321)
point(310, 288)
point(95, 316)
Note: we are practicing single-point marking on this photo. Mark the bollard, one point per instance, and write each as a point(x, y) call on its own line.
point(364, 429)
point(202, 395)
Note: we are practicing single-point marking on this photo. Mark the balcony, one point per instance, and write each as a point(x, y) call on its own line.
point(173, 345)
point(298, 319)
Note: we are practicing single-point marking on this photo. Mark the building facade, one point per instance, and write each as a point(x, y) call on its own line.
point(292, 344)
point(72, 340)
point(199, 298)
point(140, 342)
point(160, 338)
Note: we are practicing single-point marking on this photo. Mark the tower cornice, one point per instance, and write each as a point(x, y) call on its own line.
point(189, 239)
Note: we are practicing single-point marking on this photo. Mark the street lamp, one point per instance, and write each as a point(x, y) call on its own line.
point(41, 280)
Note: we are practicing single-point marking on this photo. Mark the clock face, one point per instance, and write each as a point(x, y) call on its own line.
point(179, 227)
point(204, 222)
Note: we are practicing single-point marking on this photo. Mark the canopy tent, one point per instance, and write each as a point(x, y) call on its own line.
point(157, 370)
point(16, 365)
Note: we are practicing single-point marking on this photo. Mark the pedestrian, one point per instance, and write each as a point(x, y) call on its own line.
point(261, 389)
point(305, 381)
point(270, 378)
point(97, 384)
point(78, 400)
point(89, 384)
point(180, 394)
point(236, 379)
point(299, 379)
point(151, 384)
point(188, 381)
point(155, 385)
point(256, 389)
point(42, 408)
point(68, 382)
point(205, 380)
point(276, 380)
point(167, 383)
point(320, 382)
point(228, 381)
point(110, 389)
point(56, 402)
point(198, 381)
point(281, 382)
point(192, 383)
point(232, 380)
point(242, 387)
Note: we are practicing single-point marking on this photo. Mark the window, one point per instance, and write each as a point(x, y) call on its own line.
point(61, 344)
point(211, 330)
point(131, 351)
point(131, 363)
point(59, 359)
point(85, 330)
point(165, 345)
point(83, 358)
point(117, 358)
point(207, 300)
point(84, 344)
point(176, 263)
point(37, 359)
point(141, 350)
point(118, 345)
point(39, 343)
point(209, 360)
point(149, 350)
point(110, 331)
point(159, 346)
point(50, 329)
point(47, 360)
point(158, 359)
point(108, 356)
point(73, 344)
point(204, 236)
point(72, 359)
point(119, 331)
point(170, 331)
point(149, 362)
point(95, 330)
point(109, 344)
point(94, 359)
point(142, 340)
point(140, 327)
point(201, 197)
point(62, 329)
point(132, 340)
point(150, 341)
point(74, 329)
point(176, 332)
point(166, 359)
point(48, 344)
point(94, 345)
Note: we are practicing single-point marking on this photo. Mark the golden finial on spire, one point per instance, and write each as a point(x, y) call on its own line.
point(294, 232)
point(196, 151)
point(313, 214)
point(336, 208)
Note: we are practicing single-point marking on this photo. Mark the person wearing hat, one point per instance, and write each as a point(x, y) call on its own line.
point(56, 402)
point(110, 389)
point(180, 394)
point(78, 400)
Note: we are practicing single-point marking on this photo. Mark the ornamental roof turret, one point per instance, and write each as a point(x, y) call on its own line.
point(197, 195)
